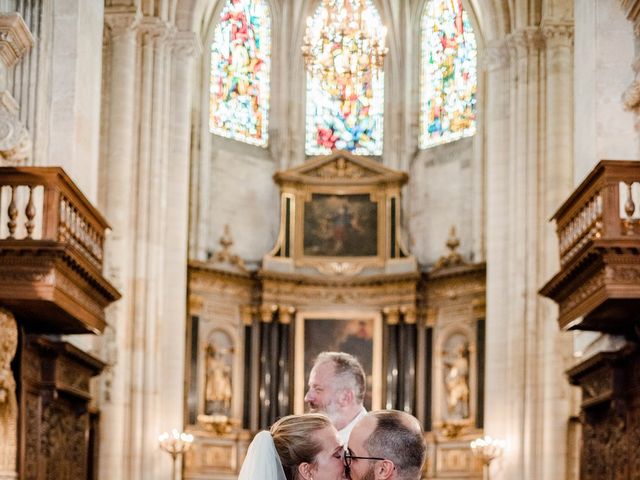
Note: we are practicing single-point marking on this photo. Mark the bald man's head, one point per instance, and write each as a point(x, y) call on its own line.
point(397, 436)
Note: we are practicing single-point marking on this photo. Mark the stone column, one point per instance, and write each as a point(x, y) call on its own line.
point(117, 181)
point(8, 401)
point(557, 183)
point(529, 157)
point(497, 115)
point(184, 49)
point(149, 250)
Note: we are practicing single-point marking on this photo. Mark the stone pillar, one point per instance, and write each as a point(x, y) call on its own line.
point(120, 160)
point(8, 401)
point(149, 250)
point(184, 49)
point(529, 157)
point(496, 66)
point(557, 183)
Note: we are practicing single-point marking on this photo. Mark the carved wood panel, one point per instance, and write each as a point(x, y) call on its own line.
point(54, 419)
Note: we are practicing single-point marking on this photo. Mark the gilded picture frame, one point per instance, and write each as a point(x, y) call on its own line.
point(358, 333)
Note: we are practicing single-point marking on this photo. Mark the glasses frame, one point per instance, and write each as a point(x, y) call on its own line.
point(347, 456)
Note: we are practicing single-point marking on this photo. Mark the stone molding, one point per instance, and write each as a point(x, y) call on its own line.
point(15, 38)
point(558, 34)
point(526, 41)
point(120, 22)
point(631, 96)
point(156, 31)
point(496, 55)
point(15, 141)
point(187, 44)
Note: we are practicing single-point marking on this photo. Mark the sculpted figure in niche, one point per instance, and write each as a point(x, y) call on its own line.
point(218, 392)
point(457, 381)
point(8, 402)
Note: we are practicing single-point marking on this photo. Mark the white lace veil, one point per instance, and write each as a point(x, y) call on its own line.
point(262, 460)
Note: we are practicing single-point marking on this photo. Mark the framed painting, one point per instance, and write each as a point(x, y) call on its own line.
point(357, 333)
point(340, 226)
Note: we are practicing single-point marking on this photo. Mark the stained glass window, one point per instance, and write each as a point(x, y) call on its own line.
point(240, 65)
point(344, 112)
point(448, 80)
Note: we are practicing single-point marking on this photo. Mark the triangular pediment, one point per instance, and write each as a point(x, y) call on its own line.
point(340, 167)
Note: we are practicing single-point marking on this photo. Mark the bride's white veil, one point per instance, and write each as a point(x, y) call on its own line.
point(262, 460)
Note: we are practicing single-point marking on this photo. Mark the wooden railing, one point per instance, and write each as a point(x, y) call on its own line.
point(42, 204)
point(598, 285)
point(605, 206)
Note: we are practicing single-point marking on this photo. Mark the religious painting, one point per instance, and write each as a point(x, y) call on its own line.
point(340, 226)
point(359, 335)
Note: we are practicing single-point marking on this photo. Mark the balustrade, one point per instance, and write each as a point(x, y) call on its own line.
point(42, 203)
point(598, 231)
point(51, 251)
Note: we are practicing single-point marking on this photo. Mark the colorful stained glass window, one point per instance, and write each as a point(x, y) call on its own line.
point(344, 112)
point(449, 77)
point(240, 66)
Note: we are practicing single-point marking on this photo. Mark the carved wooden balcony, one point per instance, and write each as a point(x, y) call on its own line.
point(51, 253)
point(598, 286)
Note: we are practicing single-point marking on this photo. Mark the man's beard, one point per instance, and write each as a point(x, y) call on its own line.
point(331, 410)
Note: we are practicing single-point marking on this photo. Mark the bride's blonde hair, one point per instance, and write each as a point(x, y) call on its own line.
point(295, 441)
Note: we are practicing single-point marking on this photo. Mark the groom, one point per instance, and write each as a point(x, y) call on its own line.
point(385, 445)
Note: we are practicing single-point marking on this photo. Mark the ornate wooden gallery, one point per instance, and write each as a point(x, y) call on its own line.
point(51, 282)
point(338, 278)
point(598, 289)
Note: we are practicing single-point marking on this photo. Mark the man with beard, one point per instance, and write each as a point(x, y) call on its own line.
point(337, 388)
point(385, 445)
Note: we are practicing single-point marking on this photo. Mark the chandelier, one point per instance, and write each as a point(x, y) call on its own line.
point(345, 39)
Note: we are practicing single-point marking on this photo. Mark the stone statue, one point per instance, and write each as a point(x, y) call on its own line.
point(457, 382)
point(8, 402)
point(218, 392)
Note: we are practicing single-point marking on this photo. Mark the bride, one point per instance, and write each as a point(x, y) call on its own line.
point(297, 447)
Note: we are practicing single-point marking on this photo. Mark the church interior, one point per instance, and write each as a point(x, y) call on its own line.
point(197, 197)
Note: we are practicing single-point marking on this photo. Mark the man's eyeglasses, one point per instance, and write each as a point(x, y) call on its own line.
point(348, 456)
